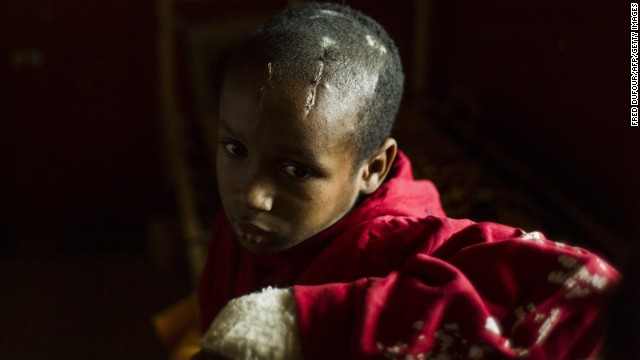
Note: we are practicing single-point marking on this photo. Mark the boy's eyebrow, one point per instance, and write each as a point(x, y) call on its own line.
point(223, 124)
point(301, 152)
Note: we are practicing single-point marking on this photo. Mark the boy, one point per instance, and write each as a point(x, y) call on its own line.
point(328, 248)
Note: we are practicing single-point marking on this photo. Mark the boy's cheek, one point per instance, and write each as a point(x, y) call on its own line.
point(228, 178)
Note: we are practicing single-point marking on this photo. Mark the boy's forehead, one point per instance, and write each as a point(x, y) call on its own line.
point(321, 106)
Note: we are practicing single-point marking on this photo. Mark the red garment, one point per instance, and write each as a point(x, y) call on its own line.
point(395, 278)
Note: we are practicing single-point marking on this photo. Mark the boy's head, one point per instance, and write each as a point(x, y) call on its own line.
point(307, 106)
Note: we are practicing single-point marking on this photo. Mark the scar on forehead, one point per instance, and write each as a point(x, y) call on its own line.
point(311, 97)
point(315, 82)
point(318, 78)
point(269, 77)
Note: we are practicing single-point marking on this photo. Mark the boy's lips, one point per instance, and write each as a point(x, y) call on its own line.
point(250, 233)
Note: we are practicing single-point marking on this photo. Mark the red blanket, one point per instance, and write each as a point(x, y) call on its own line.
point(395, 278)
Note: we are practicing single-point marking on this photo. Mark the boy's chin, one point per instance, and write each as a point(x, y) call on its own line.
point(259, 249)
point(263, 246)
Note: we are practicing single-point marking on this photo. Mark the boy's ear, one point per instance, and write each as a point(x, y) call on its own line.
point(377, 167)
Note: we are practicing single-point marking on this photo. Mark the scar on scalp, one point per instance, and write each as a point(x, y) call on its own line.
point(268, 83)
point(311, 97)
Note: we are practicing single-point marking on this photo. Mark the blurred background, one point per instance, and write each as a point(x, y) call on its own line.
point(519, 112)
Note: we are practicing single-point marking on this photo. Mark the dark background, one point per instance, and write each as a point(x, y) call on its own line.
point(92, 234)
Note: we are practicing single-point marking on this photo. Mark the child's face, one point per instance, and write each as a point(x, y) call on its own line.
point(285, 173)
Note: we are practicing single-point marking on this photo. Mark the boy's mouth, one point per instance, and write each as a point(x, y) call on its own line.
point(252, 234)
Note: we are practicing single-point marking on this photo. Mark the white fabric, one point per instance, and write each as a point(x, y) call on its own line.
point(261, 325)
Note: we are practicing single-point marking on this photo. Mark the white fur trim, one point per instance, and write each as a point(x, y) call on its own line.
point(261, 325)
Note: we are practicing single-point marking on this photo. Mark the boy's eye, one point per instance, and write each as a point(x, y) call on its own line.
point(297, 171)
point(234, 149)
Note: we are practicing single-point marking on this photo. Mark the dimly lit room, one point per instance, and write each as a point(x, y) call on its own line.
point(518, 112)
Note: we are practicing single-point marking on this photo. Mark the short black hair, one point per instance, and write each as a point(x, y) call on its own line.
point(311, 41)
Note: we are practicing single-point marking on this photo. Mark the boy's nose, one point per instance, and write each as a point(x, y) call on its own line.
point(257, 194)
